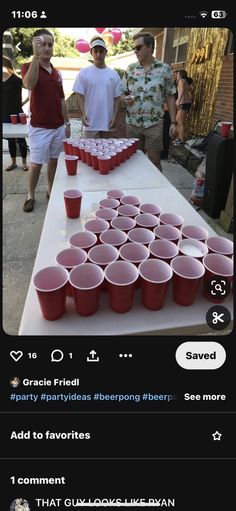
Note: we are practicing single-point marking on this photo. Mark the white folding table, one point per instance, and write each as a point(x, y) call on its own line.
point(136, 176)
point(18, 130)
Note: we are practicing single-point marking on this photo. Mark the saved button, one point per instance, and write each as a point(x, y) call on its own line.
point(200, 355)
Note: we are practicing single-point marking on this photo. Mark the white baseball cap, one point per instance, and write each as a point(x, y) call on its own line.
point(98, 42)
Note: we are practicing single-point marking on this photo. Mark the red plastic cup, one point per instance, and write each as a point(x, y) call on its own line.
point(76, 149)
point(121, 277)
point(195, 232)
point(187, 275)
point(148, 207)
point(97, 225)
point(155, 278)
point(112, 155)
point(99, 147)
point(118, 156)
point(129, 146)
point(102, 255)
point(136, 143)
point(128, 210)
point(114, 237)
point(88, 156)
point(23, 118)
point(193, 248)
point(104, 164)
point(216, 265)
point(14, 118)
point(134, 253)
point(83, 239)
point(106, 213)
point(167, 232)
point(73, 199)
point(147, 220)
point(141, 235)
point(51, 287)
point(124, 223)
point(65, 145)
point(82, 153)
point(130, 199)
point(109, 203)
point(163, 249)
point(171, 219)
point(225, 129)
point(70, 146)
point(115, 194)
point(71, 164)
point(86, 280)
point(94, 158)
point(124, 153)
point(220, 245)
point(69, 258)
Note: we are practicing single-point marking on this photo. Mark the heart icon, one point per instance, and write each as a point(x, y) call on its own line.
point(16, 355)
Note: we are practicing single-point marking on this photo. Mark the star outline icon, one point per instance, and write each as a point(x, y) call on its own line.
point(217, 435)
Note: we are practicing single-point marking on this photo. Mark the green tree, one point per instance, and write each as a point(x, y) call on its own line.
point(64, 46)
point(124, 44)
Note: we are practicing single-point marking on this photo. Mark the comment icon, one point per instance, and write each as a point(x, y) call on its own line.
point(57, 355)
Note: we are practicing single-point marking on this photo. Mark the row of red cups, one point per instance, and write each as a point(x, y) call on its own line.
point(101, 157)
point(21, 117)
point(121, 276)
point(158, 246)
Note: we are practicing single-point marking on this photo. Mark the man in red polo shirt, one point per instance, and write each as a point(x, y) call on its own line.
point(49, 122)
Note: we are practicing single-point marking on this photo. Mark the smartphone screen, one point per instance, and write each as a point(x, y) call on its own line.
point(118, 253)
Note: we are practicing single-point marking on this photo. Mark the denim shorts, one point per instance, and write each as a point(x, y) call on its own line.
point(185, 106)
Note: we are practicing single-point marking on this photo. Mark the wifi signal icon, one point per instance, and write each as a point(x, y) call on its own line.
point(203, 14)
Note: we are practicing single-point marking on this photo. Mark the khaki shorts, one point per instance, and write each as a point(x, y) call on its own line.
point(150, 139)
point(98, 134)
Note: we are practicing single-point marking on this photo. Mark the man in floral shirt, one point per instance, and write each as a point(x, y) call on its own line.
point(146, 86)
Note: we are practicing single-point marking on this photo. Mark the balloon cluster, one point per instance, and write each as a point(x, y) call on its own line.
point(110, 36)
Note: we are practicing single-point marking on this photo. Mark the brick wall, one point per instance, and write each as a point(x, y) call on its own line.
point(224, 102)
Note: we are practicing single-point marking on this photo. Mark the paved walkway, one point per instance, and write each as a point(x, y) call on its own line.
point(21, 231)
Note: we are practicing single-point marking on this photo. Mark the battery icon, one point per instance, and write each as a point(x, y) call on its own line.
point(218, 14)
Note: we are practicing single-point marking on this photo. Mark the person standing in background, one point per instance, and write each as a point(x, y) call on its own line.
point(175, 73)
point(49, 122)
point(98, 93)
point(12, 104)
point(146, 86)
point(183, 103)
point(167, 123)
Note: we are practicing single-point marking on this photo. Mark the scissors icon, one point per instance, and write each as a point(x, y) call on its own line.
point(217, 317)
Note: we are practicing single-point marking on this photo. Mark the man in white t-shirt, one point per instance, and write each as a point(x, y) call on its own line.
point(98, 91)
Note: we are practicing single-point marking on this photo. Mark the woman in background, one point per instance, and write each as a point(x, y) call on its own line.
point(12, 104)
point(183, 103)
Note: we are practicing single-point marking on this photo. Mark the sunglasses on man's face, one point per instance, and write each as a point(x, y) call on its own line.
point(138, 47)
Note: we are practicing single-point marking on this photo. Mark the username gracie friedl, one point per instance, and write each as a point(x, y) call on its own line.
point(115, 502)
point(56, 382)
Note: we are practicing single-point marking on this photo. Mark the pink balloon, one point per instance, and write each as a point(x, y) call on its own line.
point(117, 34)
point(82, 46)
point(100, 30)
